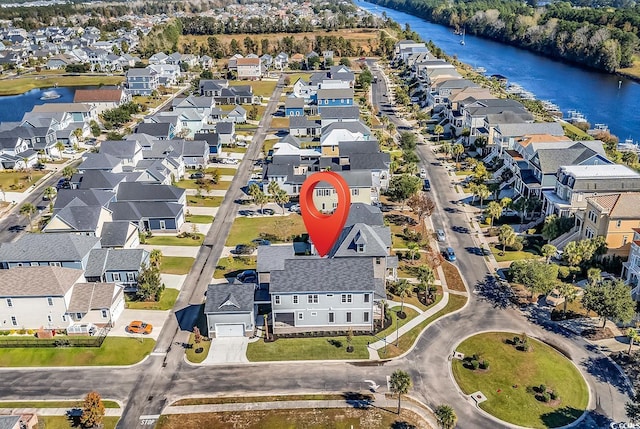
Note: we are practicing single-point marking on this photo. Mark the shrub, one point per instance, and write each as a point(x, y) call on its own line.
point(484, 364)
point(542, 388)
point(546, 397)
point(475, 364)
point(553, 395)
point(517, 245)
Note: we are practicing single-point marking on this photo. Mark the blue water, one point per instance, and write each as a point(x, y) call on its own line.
point(594, 94)
point(13, 107)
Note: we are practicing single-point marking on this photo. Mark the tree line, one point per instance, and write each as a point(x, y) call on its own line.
point(596, 39)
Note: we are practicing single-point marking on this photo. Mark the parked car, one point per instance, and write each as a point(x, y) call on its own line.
point(269, 212)
point(229, 161)
point(554, 298)
point(69, 151)
point(39, 166)
point(295, 208)
point(423, 173)
point(261, 242)
point(197, 175)
point(139, 327)
point(248, 276)
point(63, 184)
point(449, 254)
point(243, 249)
point(426, 186)
point(440, 235)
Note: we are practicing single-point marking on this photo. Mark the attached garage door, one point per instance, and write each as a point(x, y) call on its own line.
point(236, 330)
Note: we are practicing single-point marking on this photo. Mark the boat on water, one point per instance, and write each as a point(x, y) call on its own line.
point(50, 95)
point(480, 70)
point(575, 116)
point(462, 41)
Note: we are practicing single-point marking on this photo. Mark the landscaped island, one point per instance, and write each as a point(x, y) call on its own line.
point(525, 381)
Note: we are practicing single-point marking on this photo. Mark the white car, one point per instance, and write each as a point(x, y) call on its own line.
point(440, 235)
point(423, 173)
point(69, 151)
point(229, 161)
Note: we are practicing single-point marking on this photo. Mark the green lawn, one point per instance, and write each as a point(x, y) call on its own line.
point(18, 181)
point(199, 218)
point(114, 351)
point(167, 300)
point(186, 184)
point(224, 171)
point(170, 240)
point(511, 255)
point(61, 422)
point(263, 88)
point(194, 357)
point(322, 348)
point(274, 228)
point(51, 404)
point(204, 201)
point(236, 149)
point(230, 267)
point(191, 184)
point(176, 264)
point(513, 372)
point(409, 338)
point(20, 85)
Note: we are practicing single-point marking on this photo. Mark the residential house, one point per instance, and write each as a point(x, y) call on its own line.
point(631, 268)
point(168, 74)
point(267, 61)
point(281, 61)
point(127, 152)
point(336, 132)
point(119, 235)
point(249, 68)
point(95, 304)
point(230, 310)
point(237, 115)
point(160, 131)
point(79, 218)
point(150, 215)
point(334, 98)
point(101, 99)
point(294, 106)
point(213, 141)
point(302, 89)
point(142, 81)
point(360, 184)
point(158, 58)
point(504, 135)
point(302, 126)
point(227, 132)
point(15, 153)
point(615, 217)
point(60, 61)
point(330, 115)
point(56, 250)
point(119, 266)
point(136, 191)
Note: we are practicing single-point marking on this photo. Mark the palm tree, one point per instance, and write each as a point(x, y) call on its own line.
point(506, 236)
point(49, 193)
point(273, 188)
point(569, 292)
point(446, 416)
point(633, 336)
point(506, 202)
point(155, 258)
point(60, 146)
point(482, 192)
point(68, 172)
point(402, 290)
point(493, 211)
point(281, 198)
point(548, 250)
point(28, 209)
point(457, 150)
point(261, 199)
point(594, 275)
point(426, 278)
point(438, 130)
point(413, 250)
point(446, 148)
point(400, 383)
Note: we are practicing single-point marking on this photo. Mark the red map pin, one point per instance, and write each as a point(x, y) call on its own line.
point(324, 229)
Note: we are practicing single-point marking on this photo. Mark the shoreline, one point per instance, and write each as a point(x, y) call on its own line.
point(19, 85)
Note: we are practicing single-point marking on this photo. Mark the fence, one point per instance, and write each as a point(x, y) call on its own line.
point(32, 342)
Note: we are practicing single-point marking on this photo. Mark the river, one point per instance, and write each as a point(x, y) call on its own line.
point(602, 98)
point(13, 107)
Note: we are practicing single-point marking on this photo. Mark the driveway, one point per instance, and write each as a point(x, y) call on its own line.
point(227, 350)
point(157, 318)
point(189, 251)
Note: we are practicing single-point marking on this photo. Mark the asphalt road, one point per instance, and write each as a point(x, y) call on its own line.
point(147, 387)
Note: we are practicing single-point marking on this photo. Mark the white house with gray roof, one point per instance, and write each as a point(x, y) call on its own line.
point(230, 310)
point(56, 250)
point(119, 266)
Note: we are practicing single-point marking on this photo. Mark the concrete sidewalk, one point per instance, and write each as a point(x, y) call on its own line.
point(108, 412)
point(380, 401)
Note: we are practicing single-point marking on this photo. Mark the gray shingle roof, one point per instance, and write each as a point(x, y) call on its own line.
point(374, 244)
point(98, 179)
point(91, 197)
point(121, 149)
point(272, 257)
point(315, 274)
point(93, 296)
point(137, 191)
point(335, 93)
point(136, 210)
point(337, 112)
point(302, 122)
point(364, 213)
point(115, 234)
point(98, 161)
point(79, 216)
point(354, 178)
point(37, 281)
point(9, 422)
point(156, 130)
point(103, 260)
point(354, 127)
point(523, 129)
point(229, 298)
point(294, 103)
point(224, 127)
point(48, 247)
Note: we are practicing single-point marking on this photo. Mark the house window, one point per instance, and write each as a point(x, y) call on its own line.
point(300, 316)
point(348, 317)
point(619, 224)
point(116, 277)
point(355, 192)
point(295, 299)
point(365, 316)
point(276, 299)
point(163, 225)
point(78, 316)
point(34, 264)
point(14, 321)
point(314, 313)
point(332, 317)
point(589, 233)
point(346, 298)
point(9, 302)
point(366, 297)
point(624, 239)
point(50, 301)
point(55, 264)
point(360, 248)
point(378, 261)
point(49, 319)
point(104, 314)
point(312, 299)
point(131, 277)
point(64, 317)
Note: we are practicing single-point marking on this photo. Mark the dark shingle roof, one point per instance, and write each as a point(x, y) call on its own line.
point(121, 149)
point(337, 112)
point(364, 213)
point(103, 260)
point(229, 298)
point(98, 161)
point(374, 245)
point(137, 191)
point(136, 210)
point(115, 234)
point(90, 197)
point(79, 216)
point(324, 275)
point(272, 257)
point(48, 247)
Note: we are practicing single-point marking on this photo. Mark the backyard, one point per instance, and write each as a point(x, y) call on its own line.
point(273, 228)
point(204, 201)
point(176, 264)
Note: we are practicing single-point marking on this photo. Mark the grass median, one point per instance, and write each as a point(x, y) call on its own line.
point(62, 422)
point(114, 351)
point(176, 264)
